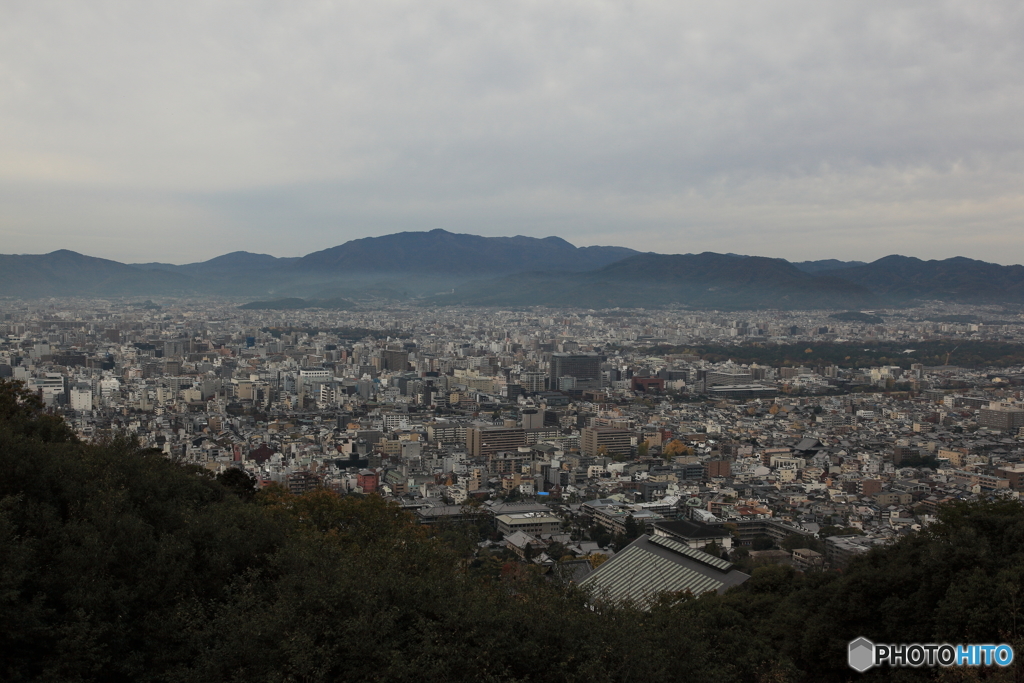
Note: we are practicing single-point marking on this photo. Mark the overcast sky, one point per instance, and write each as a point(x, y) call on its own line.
point(178, 131)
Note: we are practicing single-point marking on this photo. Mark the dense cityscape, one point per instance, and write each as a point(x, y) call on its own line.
point(511, 342)
point(572, 431)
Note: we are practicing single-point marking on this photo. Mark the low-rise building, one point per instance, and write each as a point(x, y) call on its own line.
point(532, 523)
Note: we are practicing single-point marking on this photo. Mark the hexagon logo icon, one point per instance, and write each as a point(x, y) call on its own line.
point(861, 655)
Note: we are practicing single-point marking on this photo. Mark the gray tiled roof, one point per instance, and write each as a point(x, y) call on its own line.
point(692, 553)
point(653, 565)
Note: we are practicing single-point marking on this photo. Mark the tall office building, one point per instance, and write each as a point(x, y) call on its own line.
point(1006, 417)
point(395, 359)
point(486, 441)
point(585, 368)
point(532, 418)
point(606, 440)
point(717, 378)
point(532, 382)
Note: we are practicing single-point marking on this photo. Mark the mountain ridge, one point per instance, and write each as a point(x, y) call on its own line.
point(706, 280)
point(234, 260)
point(439, 248)
point(64, 272)
point(519, 271)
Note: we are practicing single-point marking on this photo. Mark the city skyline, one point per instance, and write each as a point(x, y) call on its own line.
point(794, 130)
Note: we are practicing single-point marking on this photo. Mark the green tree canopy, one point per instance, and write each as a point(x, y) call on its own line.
point(117, 564)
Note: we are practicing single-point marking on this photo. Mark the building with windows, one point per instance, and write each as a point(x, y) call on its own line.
point(309, 377)
point(1002, 416)
point(585, 368)
point(532, 523)
point(1014, 474)
point(606, 441)
point(395, 359)
point(486, 441)
point(694, 534)
point(533, 382)
point(839, 550)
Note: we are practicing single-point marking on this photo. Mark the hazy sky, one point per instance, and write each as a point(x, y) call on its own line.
point(177, 131)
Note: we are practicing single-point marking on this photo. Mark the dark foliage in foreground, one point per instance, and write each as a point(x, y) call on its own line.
point(117, 565)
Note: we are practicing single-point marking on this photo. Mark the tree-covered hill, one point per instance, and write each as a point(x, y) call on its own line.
point(118, 565)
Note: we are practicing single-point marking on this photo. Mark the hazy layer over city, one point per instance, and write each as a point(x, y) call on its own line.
point(804, 130)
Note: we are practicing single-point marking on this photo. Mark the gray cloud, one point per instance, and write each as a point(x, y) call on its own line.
point(178, 131)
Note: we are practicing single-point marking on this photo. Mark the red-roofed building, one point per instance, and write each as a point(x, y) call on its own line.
point(646, 384)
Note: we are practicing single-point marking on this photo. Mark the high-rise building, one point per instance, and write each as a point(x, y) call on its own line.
point(311, 376)
point(395, 359)
point(606, 441)
point(485, 441)
point(715, 378)
point(532, 418)
point(81, 397)
point(719, 468)
point(533, 382)
point(584, 367)
point(1001, 416)
point(175, 348)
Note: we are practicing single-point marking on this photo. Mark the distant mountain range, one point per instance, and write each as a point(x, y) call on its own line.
point(441, 267)
point(294, 304)
point(705, 280)
point(440, 250)
point(826, 264)
point(236, 261)
point(393, 266)
point(68, 273)
point(964, 280)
